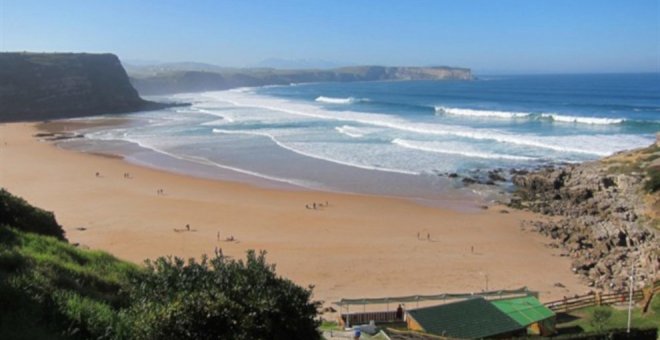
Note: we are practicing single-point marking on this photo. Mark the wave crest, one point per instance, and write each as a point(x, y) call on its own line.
point(514, 115)
point(350, 131)
point(436, 148)
point(333, 100)
point(582, 120)
point(480, 113)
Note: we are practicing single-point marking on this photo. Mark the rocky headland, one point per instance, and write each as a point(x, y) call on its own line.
point(605, 215)
point(42, 86)
point(168, 79)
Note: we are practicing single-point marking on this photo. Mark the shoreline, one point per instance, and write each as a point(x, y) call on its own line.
point(449, 196)
point(358, 246)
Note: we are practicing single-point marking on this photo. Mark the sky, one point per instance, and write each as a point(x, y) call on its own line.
point(490, 37)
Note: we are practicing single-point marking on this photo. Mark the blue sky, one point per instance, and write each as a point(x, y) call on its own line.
point(503, 36)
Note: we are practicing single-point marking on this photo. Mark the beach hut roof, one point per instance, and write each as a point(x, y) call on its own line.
point(524, 310)
point(472, 318)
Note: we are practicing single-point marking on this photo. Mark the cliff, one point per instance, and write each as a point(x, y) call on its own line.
point(165, 80)
point(606, 215)
point(38, 86)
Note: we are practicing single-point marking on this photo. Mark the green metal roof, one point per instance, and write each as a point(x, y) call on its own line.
point(468, 319)
point(525, 310)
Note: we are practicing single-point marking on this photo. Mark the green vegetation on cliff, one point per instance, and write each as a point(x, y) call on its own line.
point(50, 289)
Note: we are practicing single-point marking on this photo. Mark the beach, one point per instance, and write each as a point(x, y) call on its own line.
point(355, 246)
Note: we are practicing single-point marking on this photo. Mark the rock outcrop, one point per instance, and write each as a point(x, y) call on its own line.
point(40, 86)
point(604, 215)
point(172, 80)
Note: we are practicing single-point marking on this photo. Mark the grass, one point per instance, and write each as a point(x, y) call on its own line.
point(618, 318)
point(65, 288)
point(329, 326)
point(652, 184)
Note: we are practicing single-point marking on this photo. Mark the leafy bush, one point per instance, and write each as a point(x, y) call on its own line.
point(220, 298)
point(16, 212)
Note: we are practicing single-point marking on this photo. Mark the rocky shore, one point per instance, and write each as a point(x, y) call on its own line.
point(603, 214)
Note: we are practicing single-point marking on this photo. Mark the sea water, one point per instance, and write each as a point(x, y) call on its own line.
point(397, 138)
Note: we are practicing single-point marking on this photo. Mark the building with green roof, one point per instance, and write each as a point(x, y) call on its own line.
point(530, 313)
point(474, 318)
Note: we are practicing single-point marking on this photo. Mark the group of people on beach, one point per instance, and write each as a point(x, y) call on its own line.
point(421, 237)
point(229, 238)
point(127, 175)
point(160, 192)
point(315, 205)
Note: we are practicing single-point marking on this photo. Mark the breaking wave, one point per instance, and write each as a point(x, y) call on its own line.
point(437, 148)
point(582, 120)
point(350, 131)
point(516, 115)
point(333, 100)
point(480, 113)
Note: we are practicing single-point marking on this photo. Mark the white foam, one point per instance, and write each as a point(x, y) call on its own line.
point(350, 131)
point(480, 113)
point(599, 145)
point(307, 154)
point(435, 147)
point(332, 100)
point(204, 161)
point(582, 120)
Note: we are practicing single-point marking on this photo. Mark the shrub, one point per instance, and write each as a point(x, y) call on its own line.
point(600, 317)
point(220, 298)
point(652, 184)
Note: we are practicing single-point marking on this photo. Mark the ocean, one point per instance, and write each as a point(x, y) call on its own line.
point(399, 138)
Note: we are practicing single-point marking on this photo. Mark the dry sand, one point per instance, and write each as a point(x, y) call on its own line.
point(358, 246)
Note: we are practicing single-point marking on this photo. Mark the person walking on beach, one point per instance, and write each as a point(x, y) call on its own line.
point(428, 236)
point(188, 227)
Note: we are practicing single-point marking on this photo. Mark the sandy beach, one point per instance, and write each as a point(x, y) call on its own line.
point(357, 246)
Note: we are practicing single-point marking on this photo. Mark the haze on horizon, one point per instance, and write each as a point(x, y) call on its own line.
point(508, 36)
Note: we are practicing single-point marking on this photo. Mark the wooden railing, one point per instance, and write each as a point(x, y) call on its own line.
point(568, 304)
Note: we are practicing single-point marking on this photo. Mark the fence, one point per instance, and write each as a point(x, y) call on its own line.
point(568, 304)
point(365, 318)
